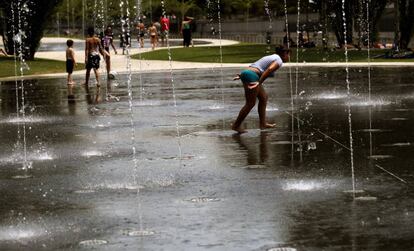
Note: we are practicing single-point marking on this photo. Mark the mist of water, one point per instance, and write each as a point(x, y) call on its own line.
point(177, 124)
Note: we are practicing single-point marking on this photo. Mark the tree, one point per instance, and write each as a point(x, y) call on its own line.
point(25, 21)
point(406, 22)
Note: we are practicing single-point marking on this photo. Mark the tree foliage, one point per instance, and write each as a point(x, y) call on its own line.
point(24, 24)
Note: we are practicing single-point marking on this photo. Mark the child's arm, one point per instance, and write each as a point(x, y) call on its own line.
point(86, 52)
point(273, 67)
point(113, 46)
point(72, 55)
point(237, 77)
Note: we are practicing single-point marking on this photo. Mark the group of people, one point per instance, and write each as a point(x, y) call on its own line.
point(155, 31)
point(252, 77)
point(94, 47)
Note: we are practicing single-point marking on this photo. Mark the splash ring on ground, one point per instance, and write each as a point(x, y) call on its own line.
point(94, 242)
point(282, 249)
point(203, 199)
point(140, 233)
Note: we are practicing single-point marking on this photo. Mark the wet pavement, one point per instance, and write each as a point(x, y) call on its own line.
point(209, 188)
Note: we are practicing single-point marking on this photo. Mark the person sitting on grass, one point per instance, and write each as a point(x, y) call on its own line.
point(252, 79)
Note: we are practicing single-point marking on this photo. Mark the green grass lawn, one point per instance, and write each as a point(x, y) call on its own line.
point(38, 66)
point(247, 53)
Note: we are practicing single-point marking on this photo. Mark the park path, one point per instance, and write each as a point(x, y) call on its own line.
point(119, 61)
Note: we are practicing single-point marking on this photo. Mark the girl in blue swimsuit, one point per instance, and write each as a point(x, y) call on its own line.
point(252, 79)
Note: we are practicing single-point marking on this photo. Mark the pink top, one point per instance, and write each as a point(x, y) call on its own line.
point(165, 24)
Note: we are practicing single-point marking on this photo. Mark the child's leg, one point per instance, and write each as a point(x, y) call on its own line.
point(70, 80)
point(88, 74)
point(97, 76)
point(108, 64)
point(250, 95)
point(263, 97)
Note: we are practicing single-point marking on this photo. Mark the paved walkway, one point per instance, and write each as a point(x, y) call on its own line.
point(119, 61)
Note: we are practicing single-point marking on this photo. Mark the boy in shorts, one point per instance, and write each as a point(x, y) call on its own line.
point(92, 49)
point(70, 61)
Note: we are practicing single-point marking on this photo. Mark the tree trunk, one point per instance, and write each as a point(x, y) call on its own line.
point(25, 21)
point(406, 22)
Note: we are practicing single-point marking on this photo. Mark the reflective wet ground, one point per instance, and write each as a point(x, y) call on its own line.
point(209, 189)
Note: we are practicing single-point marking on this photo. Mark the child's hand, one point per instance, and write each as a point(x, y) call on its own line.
point(237, 77)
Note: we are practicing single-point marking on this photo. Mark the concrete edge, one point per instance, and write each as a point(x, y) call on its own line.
point(214, 65)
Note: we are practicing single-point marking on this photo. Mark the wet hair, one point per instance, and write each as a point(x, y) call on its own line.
point(280, 50)
point(91, 31)
point(69, 43)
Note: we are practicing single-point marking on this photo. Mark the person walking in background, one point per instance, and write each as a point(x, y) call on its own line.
point(158, 26)
point(186, 31)
point(165, 27)
point(125, 39)
point(152, 30)
point(141, 33)
point(92, 49)
point(252, 79)
point(70, 61)
point(107, 41)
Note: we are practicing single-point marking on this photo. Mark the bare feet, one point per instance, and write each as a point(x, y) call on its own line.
point(238, 129)
point(267, 125)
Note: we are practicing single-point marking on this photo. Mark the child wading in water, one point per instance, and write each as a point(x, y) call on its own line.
point(252, 79)
point(92, 49)
point(70, 61)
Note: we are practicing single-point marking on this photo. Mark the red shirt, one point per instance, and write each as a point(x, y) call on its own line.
point(165, 24)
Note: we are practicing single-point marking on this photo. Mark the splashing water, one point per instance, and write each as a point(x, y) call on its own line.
point(269, 28)
point(290, 82)
point(349, 97)
point(18, 43)
point(221, 56)
point(177, 125)
point(139, 12)
point(369, 77)
point(297, 79)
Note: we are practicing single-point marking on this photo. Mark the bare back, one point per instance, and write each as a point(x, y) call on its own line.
point(92, 45)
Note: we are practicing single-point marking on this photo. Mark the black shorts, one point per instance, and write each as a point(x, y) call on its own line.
point(69, 66)
point(93, 61)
